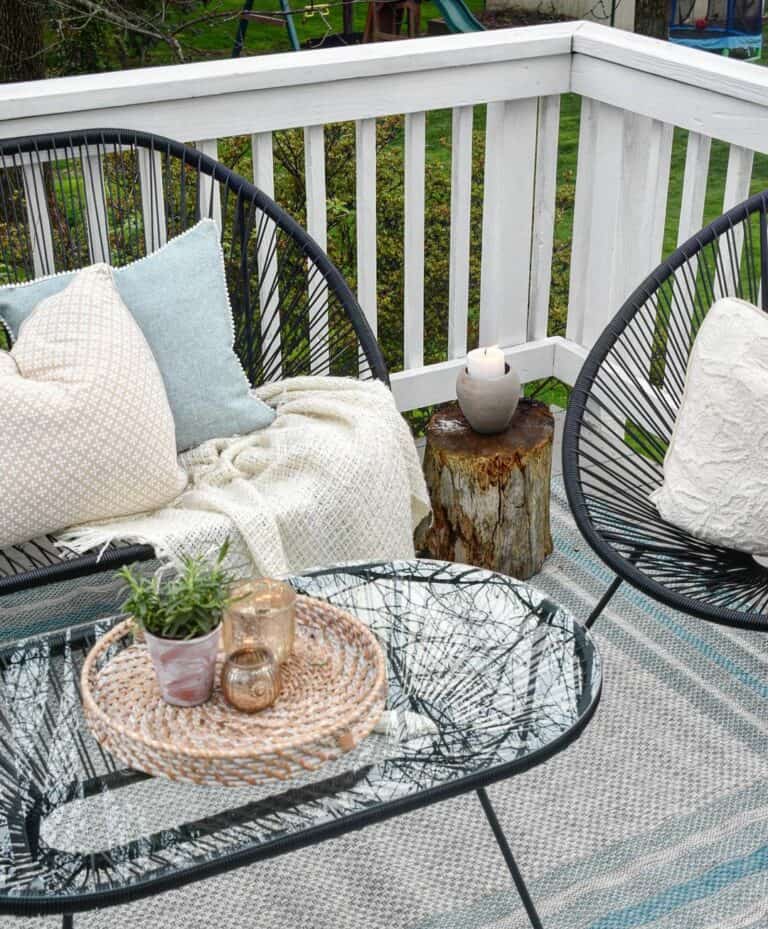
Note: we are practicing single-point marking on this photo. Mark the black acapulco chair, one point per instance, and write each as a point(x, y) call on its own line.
point(620, 419)
point(111, 195)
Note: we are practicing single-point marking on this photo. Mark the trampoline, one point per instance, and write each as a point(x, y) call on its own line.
point(727, 27)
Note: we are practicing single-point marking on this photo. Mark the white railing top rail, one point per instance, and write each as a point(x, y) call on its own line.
point(320, 86)
point(698, 91)
point(727, 76)
point(716, 96)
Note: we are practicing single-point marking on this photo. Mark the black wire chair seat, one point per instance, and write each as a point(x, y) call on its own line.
point(622, 412)
point(68, 200)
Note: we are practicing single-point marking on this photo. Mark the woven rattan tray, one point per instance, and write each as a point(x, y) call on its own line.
point(334, 690)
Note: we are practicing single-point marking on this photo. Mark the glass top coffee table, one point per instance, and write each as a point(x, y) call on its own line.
point(487, 677)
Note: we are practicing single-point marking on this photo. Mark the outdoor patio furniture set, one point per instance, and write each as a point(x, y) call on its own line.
point(517, 680)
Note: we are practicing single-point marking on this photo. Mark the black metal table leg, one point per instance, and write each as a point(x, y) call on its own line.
point(506, 851)
point(603, 601)
point(67, 921)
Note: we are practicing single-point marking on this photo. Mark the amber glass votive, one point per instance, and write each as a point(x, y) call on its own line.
point(250, 679)
point(261, 614)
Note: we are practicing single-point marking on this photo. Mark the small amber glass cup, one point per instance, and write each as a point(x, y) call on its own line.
point(250, 679)
point(261, 614)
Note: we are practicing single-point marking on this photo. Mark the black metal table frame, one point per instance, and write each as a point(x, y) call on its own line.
point(352, 822)
point(312, 836)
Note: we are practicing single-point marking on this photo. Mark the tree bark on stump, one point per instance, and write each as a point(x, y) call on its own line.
point(490, 493)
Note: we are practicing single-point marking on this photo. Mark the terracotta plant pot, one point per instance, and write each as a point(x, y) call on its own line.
point(185, 667)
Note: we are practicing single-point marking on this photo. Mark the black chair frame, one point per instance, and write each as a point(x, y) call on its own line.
point(294, 313)
point(621, 415)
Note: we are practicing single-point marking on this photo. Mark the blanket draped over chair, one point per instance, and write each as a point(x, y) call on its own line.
point(335, 478)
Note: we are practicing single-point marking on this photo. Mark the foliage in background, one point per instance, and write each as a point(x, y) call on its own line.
point(340, 180)
point(87, 36)
point(187, 606)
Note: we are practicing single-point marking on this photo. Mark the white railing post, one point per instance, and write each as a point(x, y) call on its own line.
point(695, 177)
point(545, 191)
point(510, 153)
point(595, 281)
point(645, 186)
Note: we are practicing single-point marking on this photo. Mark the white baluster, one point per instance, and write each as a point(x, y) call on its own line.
point(547, 141)
point(210, 195)
point(461, 206)
point(152, 200)
point(365, 220)
point(36, 204)
point(317, 226)
point(413, 330)
point(266, 255)
point(95, 208)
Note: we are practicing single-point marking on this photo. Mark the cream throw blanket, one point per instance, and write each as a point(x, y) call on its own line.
point(335, 478)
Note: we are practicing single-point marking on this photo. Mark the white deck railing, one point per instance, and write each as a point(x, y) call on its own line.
point(634, 92)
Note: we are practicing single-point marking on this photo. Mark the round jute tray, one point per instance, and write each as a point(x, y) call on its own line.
point(333, 694)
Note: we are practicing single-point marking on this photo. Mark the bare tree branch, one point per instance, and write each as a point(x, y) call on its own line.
point(140, 24)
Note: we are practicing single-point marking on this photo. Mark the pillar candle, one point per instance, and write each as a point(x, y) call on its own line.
point(485, 363)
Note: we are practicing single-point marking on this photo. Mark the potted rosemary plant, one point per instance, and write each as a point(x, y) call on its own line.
point(181, 619)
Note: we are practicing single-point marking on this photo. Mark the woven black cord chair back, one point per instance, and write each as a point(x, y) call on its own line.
point(69, 200)
point(621, 416)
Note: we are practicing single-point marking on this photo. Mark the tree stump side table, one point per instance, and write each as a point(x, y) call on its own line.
point(490, 493)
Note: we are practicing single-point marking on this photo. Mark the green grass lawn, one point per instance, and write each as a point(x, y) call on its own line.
point(215, 40)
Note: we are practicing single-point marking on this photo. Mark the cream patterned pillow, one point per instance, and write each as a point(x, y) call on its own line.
point(86, 432)
point(716, 467)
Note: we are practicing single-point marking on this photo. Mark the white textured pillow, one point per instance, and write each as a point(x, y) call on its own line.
point(716, 468)
point(86, 432)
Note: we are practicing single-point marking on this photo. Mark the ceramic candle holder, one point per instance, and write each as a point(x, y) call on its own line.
point(488, 404)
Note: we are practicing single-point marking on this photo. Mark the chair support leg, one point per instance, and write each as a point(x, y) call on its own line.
point(603, 602)
point(506, 851)
point(67, 921)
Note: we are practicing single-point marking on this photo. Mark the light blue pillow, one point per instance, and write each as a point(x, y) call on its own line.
point(178, 296)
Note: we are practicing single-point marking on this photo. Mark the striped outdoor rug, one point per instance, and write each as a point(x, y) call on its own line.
point(657, 817)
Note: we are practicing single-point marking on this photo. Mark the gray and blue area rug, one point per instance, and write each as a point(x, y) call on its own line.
point(657, 817)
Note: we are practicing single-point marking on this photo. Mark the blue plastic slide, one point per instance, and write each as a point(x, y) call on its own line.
point(458, 17)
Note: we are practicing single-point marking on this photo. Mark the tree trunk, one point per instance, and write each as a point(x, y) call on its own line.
point(21, 40)
point(490, 493)
point(651, 18)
